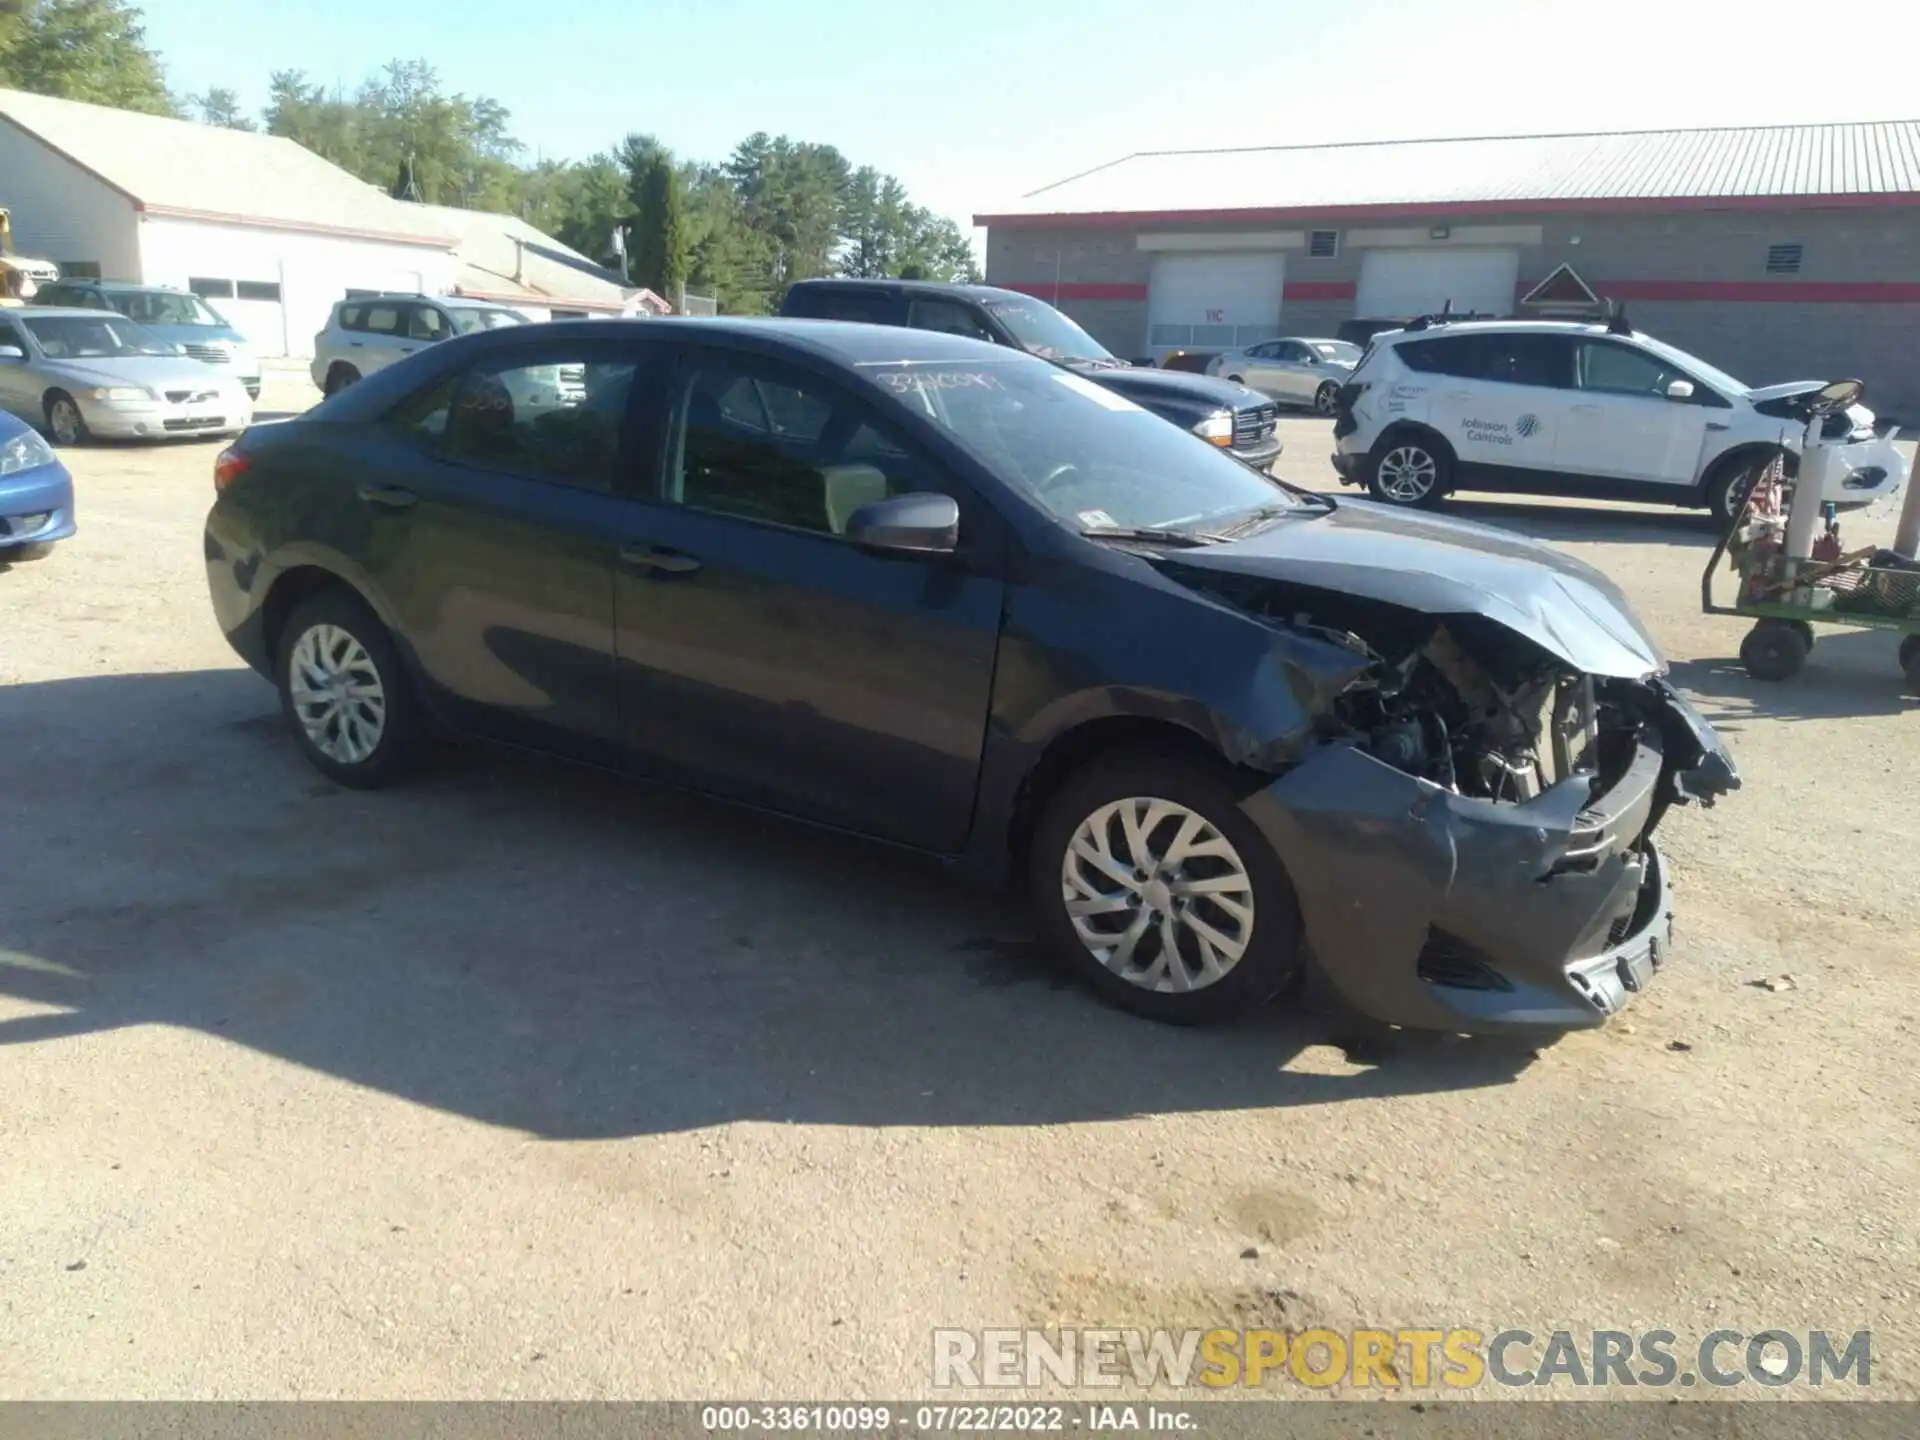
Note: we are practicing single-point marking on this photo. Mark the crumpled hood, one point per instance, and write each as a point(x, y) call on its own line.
point(1860, 415)
point(1438, 566)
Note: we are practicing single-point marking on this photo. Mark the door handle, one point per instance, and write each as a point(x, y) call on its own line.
point(388, 497)
point(662, 559)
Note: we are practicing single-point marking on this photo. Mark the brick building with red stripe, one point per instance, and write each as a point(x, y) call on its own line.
point(1776, 253)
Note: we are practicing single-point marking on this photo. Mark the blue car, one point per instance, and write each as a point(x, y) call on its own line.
point(36, 493)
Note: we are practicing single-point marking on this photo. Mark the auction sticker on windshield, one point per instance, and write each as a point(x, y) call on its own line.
point(1099, 394)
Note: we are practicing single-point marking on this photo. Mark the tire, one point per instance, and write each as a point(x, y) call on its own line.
point(1237, 379)
point(1910, 660)
point(1237, 864)
point(1774, 650)
point(1326, 399)
point(351, 741)
point(65, 423)
point(1409, 471)
point(340, 377)
point(1804, 630)
point(1727, 490)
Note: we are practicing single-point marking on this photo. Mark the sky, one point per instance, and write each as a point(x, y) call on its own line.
point(975, 103)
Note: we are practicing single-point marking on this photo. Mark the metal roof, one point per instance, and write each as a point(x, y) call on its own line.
point(193, 171)
point(532, 271)
point(1875, 159)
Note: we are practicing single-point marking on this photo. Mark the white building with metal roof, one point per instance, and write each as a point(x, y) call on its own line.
point(1776, 252)
point(270, 233)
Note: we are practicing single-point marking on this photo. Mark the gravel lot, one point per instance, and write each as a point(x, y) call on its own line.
point(524, 1082)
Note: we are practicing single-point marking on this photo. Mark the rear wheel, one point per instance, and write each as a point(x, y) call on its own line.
point(64, 421)
point(1774, 650)
point(343, 690)
point(340, 377)
point(1326, 399)
point(1237, 379)
point(1161, 893)
point(1407, 470)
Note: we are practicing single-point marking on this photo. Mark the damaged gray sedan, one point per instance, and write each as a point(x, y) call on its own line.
point(956, 598)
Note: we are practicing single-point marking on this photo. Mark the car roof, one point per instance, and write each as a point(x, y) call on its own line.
point(71, 310)
point(913, 287)
point(1497, 327)
point(842, 340)
point(127, 287)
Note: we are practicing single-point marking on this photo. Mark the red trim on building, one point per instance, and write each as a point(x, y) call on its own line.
point(1074, 289)
point(1600, 205)
point(1801, 292)
point(304, 227)
point(1319, 290)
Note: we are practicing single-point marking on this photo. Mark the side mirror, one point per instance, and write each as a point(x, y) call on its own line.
point(1839, 395)
point(12, 352)
point(1679, 390)
point(907, 524)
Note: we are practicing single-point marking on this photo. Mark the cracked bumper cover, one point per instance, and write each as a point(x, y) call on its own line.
point(1437, 911)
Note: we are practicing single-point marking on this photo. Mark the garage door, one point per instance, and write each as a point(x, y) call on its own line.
point(1213, 301)
point(1420, 282)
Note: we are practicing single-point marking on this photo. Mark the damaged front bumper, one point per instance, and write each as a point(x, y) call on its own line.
point(1433, 910)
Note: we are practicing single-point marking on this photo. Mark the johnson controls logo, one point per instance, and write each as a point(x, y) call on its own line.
point(1527, 425)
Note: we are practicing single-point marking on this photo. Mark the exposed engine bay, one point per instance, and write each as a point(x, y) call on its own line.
point(1440, 712)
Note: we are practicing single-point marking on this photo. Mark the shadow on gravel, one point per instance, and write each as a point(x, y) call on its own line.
point(1598, 524)
point(1849, 673)
point(569, 955)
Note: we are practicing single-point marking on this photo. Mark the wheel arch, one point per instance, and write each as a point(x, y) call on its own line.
point(1416, 430)
point(305, 576)
point(1736, 455)
point(1077, 746)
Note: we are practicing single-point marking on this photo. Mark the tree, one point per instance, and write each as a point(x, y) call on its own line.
point(219, 106)
point(659, 244)
point(91, 50)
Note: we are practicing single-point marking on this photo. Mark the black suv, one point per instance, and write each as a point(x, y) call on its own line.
point(1238, 420)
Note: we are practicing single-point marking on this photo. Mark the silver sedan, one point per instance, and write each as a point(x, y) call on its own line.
point(86, 373)
point(1293, 371)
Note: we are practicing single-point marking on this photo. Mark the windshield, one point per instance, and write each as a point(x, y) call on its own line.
point(93, 337)
point(162, 307)
point(1694, 366)
point(1093, 458)
point(468, 321)
point(1044, 330)
point(1337, 350)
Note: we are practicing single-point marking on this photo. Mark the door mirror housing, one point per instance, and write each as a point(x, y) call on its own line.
point(1839, 395)
point(12, 352)
point(923, 524)
point(1679, 390)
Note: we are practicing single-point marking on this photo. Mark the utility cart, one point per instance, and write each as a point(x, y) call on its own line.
point(1784, 549)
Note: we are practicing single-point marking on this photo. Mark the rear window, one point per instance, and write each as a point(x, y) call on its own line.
point(864, 307)
point(1510, 359)
point(353, 317)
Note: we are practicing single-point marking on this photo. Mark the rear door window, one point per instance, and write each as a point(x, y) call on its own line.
point(867, 307)
point(382, 320)
point(946, 317)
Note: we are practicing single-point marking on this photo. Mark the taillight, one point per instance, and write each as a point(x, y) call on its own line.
point(228, 466)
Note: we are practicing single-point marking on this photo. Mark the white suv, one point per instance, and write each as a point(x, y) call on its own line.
point(1558, 408)
point(369, 332)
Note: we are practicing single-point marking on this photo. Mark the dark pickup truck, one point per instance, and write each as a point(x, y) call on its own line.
point(1238, 420)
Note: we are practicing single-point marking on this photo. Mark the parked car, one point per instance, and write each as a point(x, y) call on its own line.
point(1293, 371)
point(36, 494)
point(369, 333)
point(90, 373)
point(955, 598)
point(1230, 416)
point(1563, 408)
point(177, 315)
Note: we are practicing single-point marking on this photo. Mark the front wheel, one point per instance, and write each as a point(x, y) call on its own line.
point(1407, 471)
point(1728, 491)
point(1326, 399)
point(64, 421)
point(1149, 877)
point(1774, 650)
point(344, 692)
point(340, 377)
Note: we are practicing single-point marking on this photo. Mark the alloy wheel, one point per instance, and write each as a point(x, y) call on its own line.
point(63, 418)
point(1407, 474)
point(337, 694)
point(1325, 400)
point(1157, 894)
